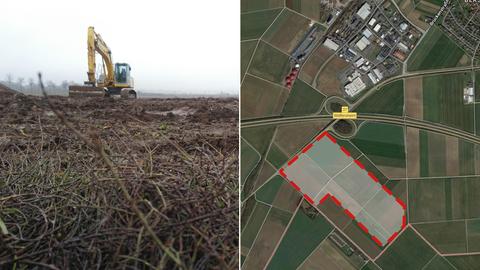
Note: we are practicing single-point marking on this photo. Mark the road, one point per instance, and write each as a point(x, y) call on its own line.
point(396, 120)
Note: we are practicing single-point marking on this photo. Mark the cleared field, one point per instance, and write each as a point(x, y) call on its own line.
point(246, 51)
point(287, 31)
point(269, 191)
point(252, 5)
point(446, 237)
point(276, 156)
point(387, 100)
point(443, 101)
point(267, 239)
point(290, 138)
point(250, 231)
point(326, 79)
point(303, 100)
point(435, 51)
point(465, 262)
point(261, 98)
point(414, 97)
point(311, 67)
point(307, 230)
point(443, 199)
point(409, 251)
point(384, 144)
point(439, 263)
point(327, 257)
point(473, 235)
point(269, 63)
point(249, 160)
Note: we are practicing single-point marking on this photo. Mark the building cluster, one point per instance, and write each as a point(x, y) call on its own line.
point(374, 39)
point(461, 27)
point(469, 94)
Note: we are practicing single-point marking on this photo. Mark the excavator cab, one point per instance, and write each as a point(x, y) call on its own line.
point(122, 73)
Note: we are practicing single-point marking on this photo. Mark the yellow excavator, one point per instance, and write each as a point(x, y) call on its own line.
point(114, 79)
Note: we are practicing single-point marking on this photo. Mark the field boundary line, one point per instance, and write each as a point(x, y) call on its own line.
point(256, 235)
point(283, 235)
point(315, 249)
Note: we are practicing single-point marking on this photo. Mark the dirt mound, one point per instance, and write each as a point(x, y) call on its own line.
point(169, 198)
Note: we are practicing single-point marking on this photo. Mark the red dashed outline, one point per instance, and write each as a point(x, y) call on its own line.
point(335, 200)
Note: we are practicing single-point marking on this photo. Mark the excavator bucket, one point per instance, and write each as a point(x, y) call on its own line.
point(86, 91)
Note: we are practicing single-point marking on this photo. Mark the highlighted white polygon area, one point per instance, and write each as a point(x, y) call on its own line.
point(326, 170)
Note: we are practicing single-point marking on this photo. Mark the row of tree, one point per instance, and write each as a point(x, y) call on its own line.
point(31, 86)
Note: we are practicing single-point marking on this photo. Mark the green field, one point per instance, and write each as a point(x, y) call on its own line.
point(259, 137)
point(409, 251)
point(249, 232)
point(382, 143)
point(477, 86)
point(249, 160)
point(443, 101)
point(439, 263)
point(270, 63)
point(251, 5)
point(303, 235)
point(473, 235)
point(253, 25)
point(261, 98)
point(247, 48)
point(446, 237)
point(276, 156)
point(268, 192)
point(303, 100)
point(443, 199)
point(269, 235)
point(387, 100)
point(435, 51)
point(468, 262)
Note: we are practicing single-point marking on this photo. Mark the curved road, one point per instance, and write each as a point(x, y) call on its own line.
point(414, 123)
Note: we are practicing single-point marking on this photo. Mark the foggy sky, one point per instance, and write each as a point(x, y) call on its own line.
point(173, 46)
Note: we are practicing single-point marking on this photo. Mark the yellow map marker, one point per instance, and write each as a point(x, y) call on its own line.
point(344, 114)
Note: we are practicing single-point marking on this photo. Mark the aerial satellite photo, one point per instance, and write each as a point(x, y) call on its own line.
point(360, 134)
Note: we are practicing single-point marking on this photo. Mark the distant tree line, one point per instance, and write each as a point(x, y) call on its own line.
point(31, 86)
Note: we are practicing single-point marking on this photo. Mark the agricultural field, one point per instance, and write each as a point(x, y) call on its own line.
point(258, 5)
point(384, 145)
point(436, 50)
point(269, 63)
point(387, 100)
point(254, 24)
point(83, 178)
point(287, 30)
point(247, 49)
point(418, 11)
point(319, 57)
point(409, 251)
point(443, 101)
point(256, 91)
point(307, 229)
point(303, 100)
